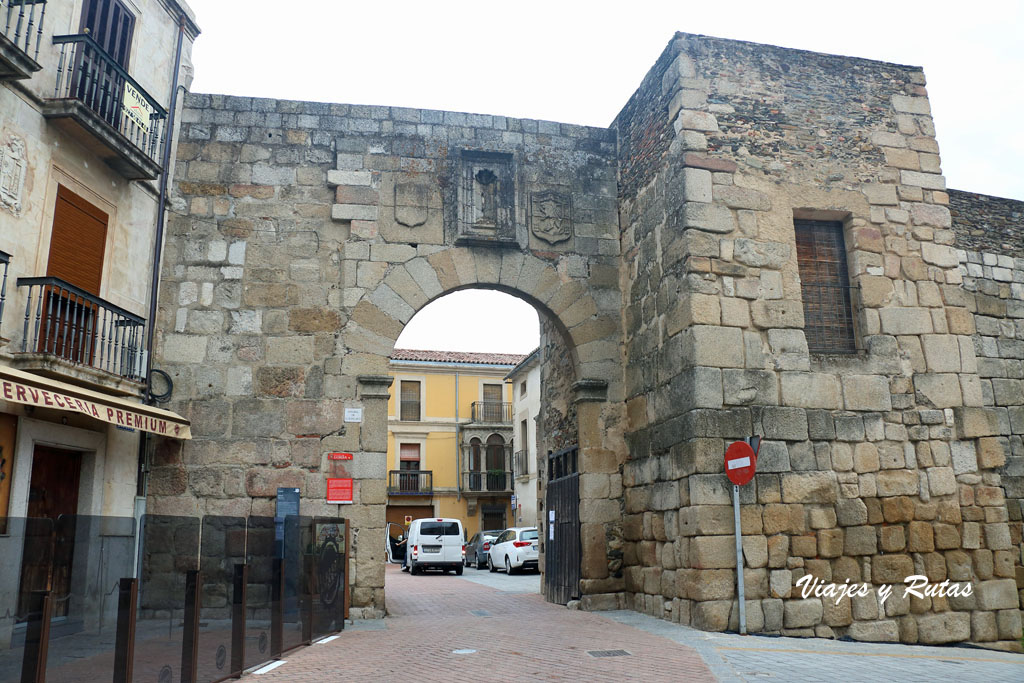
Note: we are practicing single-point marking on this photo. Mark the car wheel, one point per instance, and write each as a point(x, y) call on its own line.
point(490, 565)
point(413, 569)
point(458, 571)
point(465, 562)
point(508, 566)
point(479, 564)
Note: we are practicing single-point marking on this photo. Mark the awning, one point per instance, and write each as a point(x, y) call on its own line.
point(24, 387)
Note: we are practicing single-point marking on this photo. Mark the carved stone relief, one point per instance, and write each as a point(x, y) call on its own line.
point(411, 209)
point(486, 198)
point(551, 216)
point(13, 166)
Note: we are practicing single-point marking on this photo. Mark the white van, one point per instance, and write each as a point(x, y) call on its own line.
point(436, 543)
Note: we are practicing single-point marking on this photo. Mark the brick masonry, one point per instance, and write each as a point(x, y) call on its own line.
point(661, 254)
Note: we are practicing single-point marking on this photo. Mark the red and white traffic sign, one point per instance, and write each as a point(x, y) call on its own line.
point(740, 462)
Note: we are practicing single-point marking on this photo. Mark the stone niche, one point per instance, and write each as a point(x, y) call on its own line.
point(485, 207)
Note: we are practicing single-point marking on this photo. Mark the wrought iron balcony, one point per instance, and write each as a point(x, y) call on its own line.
point(487, 482)
point(68, 323)
point(5, 260)
point(521, 463)
point(491, 412)
point(21, 31)
point(97, 101)
point(410, 482)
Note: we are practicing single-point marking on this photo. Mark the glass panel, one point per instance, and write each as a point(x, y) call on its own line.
point(26, 540)
point(294, 544)
point(260, 554)
point(91, 556)
point(169, 548)
point(329, 562)
point(223, 546)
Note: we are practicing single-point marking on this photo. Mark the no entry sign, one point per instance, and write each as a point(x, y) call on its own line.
point(740, 462)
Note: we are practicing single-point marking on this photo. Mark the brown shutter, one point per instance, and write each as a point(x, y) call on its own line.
point(493, 393)
point(77, 242)
point(410, 452)
point(410, 402)
point(825, 286)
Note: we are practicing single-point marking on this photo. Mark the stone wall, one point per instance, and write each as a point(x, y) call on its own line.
point(306, 235)
point(869, 470)
point(987, 224)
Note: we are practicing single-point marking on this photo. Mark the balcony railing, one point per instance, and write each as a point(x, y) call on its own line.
point(488, 481)
point(494, 412)
point(410, 482)
point(521, 463)
point(67, 322)
point(5, 260)
point(21, 32)
point(88, 76)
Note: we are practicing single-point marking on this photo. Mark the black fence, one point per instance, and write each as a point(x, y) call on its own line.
point(410, 482)
point(185, 599)
point(494, 412)
point(21, 22)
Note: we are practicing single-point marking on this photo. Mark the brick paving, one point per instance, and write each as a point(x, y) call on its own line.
point(523, 637)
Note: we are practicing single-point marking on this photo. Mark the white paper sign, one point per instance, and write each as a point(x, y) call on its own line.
point(739, 462)
point(353, 414)
point(551, 532)
point(551, 516)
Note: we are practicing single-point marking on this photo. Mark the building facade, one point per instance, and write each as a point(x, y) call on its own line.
point(86, 90)
point(525, 381)
point(762, 243)
point(450, 438)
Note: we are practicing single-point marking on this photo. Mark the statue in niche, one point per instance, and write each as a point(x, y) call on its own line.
point(487, 193)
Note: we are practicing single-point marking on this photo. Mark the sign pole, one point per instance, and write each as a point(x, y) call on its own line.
point(739, 558)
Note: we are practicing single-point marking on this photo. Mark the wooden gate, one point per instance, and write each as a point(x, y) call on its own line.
point(562, 528)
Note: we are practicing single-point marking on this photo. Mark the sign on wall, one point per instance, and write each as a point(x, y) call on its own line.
point(353, 414)
point(339, 491)
point(136, 107)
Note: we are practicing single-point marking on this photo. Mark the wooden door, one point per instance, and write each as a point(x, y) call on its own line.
point(49, 538)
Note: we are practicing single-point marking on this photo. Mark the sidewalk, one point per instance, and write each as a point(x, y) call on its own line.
point(490, 627)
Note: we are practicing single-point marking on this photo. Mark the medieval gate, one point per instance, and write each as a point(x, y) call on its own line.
point(562, 528)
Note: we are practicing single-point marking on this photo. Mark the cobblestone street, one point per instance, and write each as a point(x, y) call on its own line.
point(492, 627)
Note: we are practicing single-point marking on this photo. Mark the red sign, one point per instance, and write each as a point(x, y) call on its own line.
point(339, 491)
point(339, 456)
point(740, 462)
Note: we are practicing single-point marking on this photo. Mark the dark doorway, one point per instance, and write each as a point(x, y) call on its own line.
point(562, 535)
point(50, 530)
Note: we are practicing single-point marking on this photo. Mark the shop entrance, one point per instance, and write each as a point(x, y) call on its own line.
point(50, 527)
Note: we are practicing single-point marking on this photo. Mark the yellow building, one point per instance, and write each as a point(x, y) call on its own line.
point(450, 438)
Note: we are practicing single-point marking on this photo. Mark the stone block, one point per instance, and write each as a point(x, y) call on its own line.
point(750, 387)
point(780, 583)
point(1009, 622)
point(696, 185)
point(760, 254)
point(906, 321)
point(947, 627)
point(964, 456)
point(802, 613)
point(896, 483)
point(711, 615)
point(996, 594)
point(713, 552)
point(891, 569)
point(712, 218)
point(992, 451)
point(861, 540)
point(941, 481)
point(920, 537)
point(851, 512)
point(776, 314)
point(736, 197)
point(810, 390)
point(885, 631)
point(712, 584)
point(972, 422)
point(810, 487)
point(866, 392)
point(755, 551)
point(783, 518)
point(898, 509)
point(720, 347)
point(830, 542)
point(780, 422)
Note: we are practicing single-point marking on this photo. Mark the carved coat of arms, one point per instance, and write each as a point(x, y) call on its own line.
point(13, 167)
point(411, 200)
point(551, 216)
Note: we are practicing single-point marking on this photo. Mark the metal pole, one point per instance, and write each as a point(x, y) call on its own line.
point(739, 558)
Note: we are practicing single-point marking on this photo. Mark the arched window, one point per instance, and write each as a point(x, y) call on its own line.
point(496, 466)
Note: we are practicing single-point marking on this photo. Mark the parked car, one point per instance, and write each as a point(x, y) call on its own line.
point(513, 549)
point(476, 549)
point(435, 544)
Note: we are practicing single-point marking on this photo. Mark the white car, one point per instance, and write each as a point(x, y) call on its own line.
point(514, 548)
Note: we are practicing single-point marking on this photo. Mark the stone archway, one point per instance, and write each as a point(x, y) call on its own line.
point(587, 333)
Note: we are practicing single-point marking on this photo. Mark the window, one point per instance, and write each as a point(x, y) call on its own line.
point(409, 466)
point(522, 388)
point(825, 285)
point(492, 406)
point(409, 411)
point(439, 529)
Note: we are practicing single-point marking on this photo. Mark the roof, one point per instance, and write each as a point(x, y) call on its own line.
point(458, 357)
point(527, 362)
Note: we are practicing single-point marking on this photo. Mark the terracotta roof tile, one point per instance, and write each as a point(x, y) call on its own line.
point(458, 357)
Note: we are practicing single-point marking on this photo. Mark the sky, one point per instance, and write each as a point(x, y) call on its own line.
point(579, 62)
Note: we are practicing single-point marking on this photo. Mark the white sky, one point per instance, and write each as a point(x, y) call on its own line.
point(579, 62)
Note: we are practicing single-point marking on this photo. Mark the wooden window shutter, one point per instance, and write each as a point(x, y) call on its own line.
point(493, 393)
point(825, 286)
point(77, 242)
point(409, 452)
